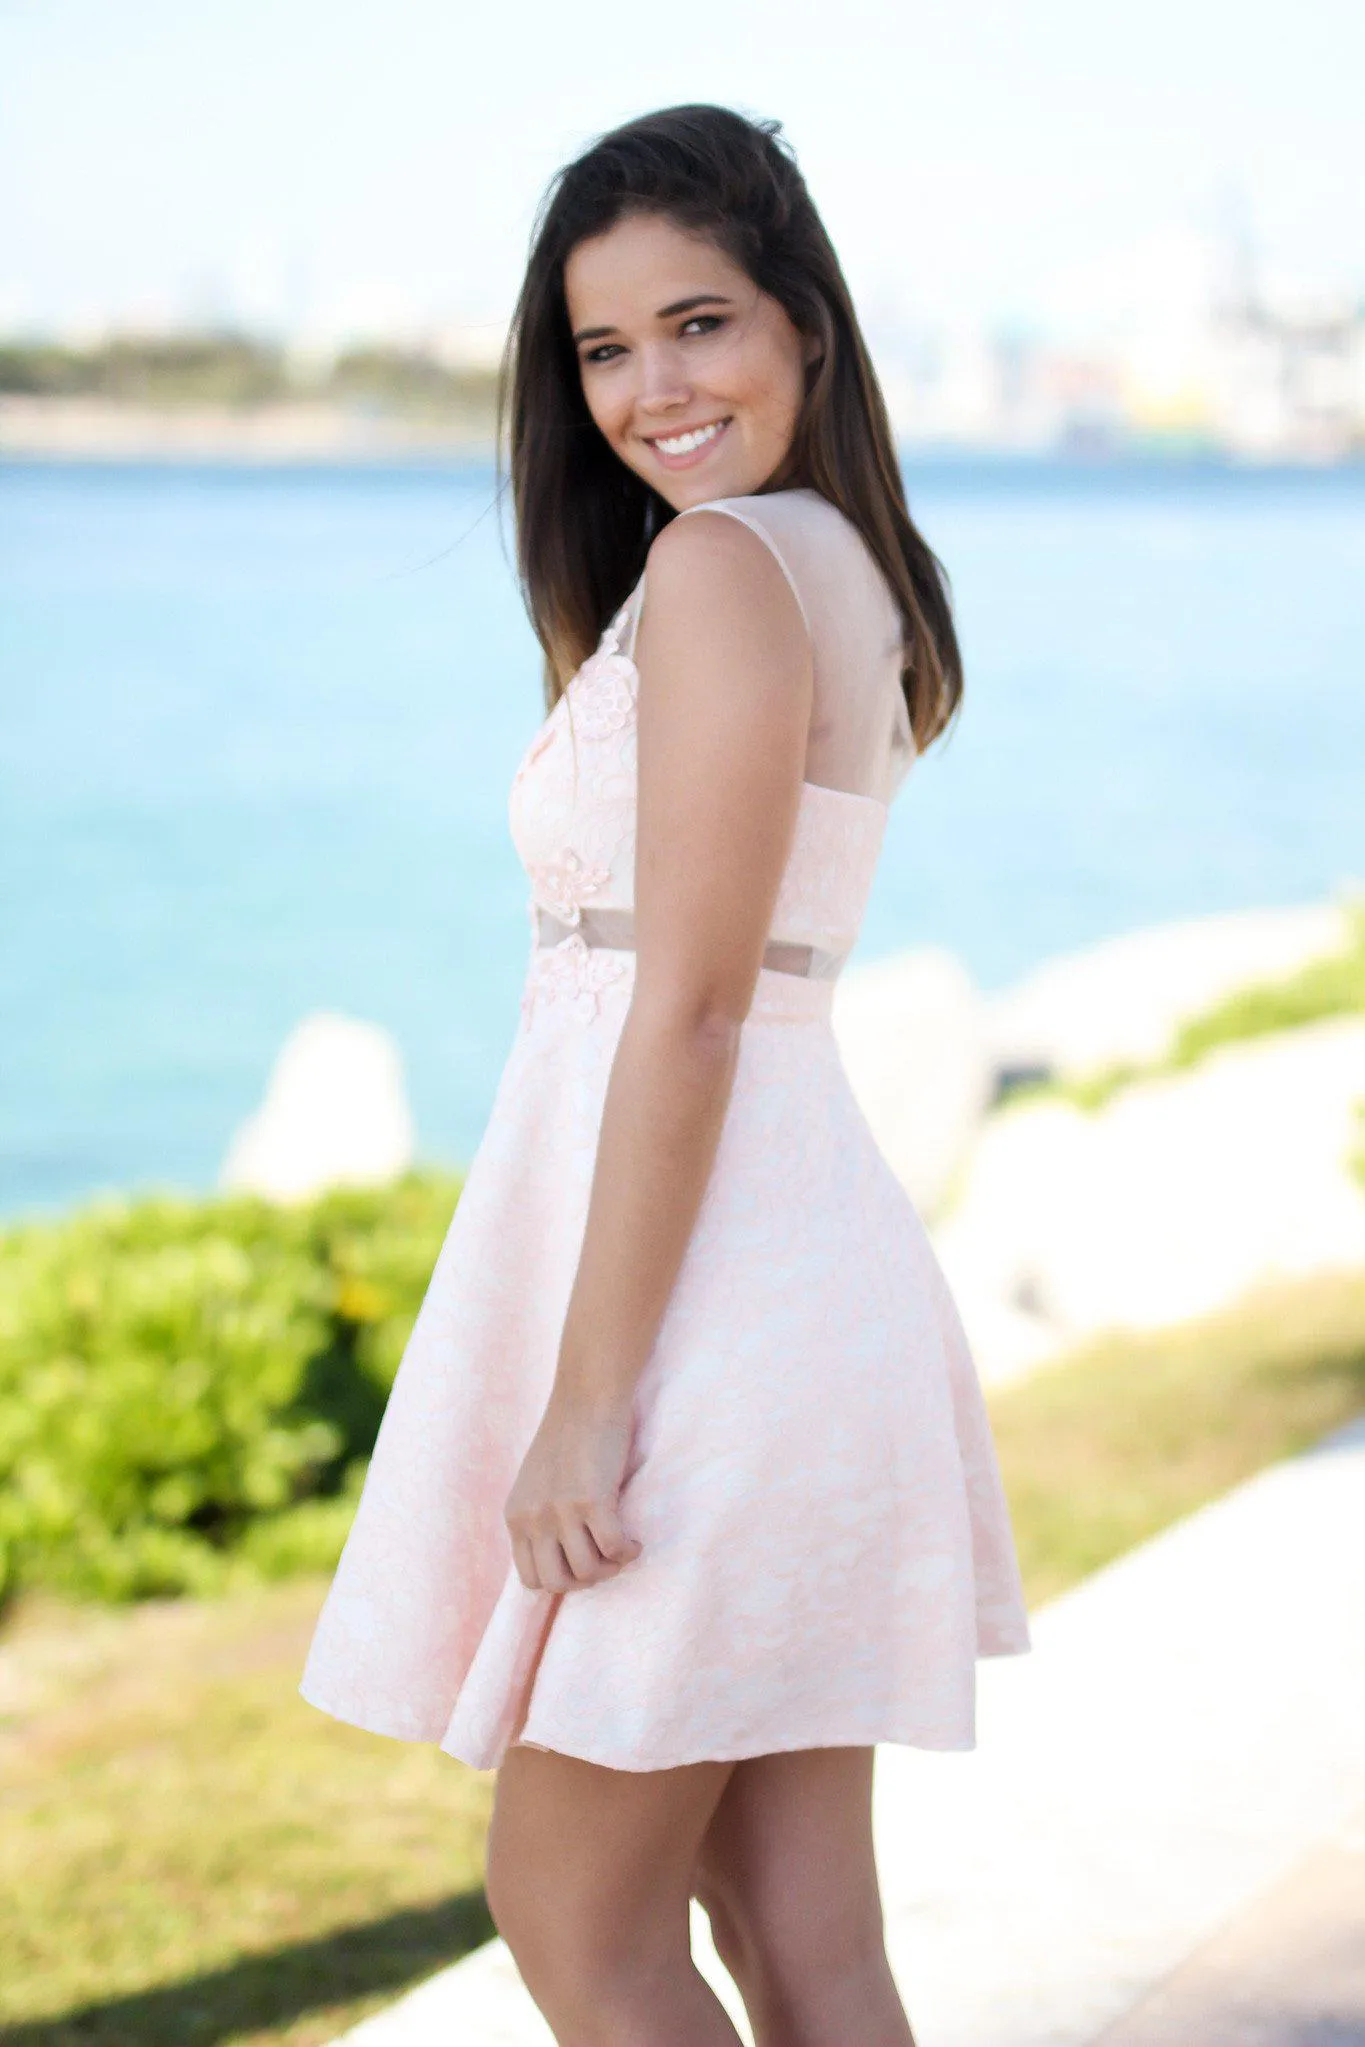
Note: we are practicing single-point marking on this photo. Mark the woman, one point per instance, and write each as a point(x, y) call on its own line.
point(685, 1495)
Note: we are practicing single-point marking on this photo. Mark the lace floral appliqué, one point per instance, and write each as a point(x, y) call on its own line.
point(604, 691)
point(562, 884)
point(571, 974)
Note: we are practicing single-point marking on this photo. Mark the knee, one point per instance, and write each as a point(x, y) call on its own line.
point(795, 1953)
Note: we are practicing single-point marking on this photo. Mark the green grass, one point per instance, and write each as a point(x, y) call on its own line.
point(192, 1857)
point(1124, 1437)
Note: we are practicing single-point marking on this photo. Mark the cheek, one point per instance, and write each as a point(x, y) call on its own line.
point(773, 376)
point(608, 413)
point(775, 389)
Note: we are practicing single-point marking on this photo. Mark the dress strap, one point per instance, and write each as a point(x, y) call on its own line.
point(630, 611)
point(757, 526)
point(630, 616)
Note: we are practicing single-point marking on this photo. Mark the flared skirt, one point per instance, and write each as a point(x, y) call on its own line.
point(826, 1543)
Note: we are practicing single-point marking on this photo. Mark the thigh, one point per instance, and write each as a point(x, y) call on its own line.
point(579, 1851)
point(787, 1859)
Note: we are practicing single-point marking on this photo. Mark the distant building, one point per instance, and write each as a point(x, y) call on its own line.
point(1290, 385)
point(1261, 382)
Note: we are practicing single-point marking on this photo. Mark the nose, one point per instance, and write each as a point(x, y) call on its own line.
point(663, 388)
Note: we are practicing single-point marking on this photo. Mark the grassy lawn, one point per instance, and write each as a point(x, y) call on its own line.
point(1128, 1435)
point(190, 1855)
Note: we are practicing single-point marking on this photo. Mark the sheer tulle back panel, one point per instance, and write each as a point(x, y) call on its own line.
point(860, 738)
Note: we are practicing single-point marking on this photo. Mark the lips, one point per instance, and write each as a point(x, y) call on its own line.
point(685, 446)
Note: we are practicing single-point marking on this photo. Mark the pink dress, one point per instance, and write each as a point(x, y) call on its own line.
point(826, 1543)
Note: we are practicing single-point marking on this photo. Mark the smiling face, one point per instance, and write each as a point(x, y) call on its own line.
point(693, 375)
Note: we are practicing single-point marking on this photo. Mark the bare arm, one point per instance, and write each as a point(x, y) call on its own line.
point(725, 699)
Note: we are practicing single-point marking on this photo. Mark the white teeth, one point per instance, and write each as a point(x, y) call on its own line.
point(683, 444)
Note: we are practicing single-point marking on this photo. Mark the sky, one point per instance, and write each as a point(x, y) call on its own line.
point(330, 167)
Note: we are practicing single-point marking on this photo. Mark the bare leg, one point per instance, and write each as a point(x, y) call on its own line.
point(589, 1880)
point(787, 1877)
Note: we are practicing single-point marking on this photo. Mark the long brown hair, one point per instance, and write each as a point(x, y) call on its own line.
point(584, 521)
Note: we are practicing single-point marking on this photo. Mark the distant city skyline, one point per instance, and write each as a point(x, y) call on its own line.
point(326, 171)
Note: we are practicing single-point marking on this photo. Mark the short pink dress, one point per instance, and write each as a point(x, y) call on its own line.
point(826, 1543)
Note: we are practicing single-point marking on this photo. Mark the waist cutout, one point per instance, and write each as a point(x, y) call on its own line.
point(615, 930)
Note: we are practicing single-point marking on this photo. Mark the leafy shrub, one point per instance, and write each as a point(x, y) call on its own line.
point(189, 1389)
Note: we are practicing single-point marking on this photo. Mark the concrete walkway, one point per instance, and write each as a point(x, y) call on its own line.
point(1288, 1972)
point(1155, 1830)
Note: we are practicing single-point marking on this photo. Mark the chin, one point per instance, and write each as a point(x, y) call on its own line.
point(700, 490)
point(702, 485)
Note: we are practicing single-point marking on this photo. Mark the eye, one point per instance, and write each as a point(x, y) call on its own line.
point(703, 322)
point(603, 352)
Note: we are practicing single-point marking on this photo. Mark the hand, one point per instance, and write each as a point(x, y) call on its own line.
point(562, 1512)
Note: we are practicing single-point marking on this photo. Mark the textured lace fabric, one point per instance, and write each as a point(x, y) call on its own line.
point(826, 1544)
point(572, 813)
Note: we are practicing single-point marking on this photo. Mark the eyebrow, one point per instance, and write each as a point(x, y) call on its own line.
point(701, 298)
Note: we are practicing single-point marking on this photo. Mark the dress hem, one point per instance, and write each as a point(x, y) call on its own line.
point(745, 1752)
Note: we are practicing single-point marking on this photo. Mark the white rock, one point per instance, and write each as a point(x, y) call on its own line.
point(912, 1035)
point(1124, 998)
point(335, 1113)
point(1177, 1197)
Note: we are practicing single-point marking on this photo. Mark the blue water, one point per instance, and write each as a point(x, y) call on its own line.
point(259, 726)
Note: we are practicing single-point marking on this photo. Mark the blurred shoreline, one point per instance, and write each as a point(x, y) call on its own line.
point(81, 430)
point(1273, 396)
point(95, 430)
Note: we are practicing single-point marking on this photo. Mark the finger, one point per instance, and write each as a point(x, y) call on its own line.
point(552, 1570)
point(604, 1525)
point(585, 1559)
point(523, 1556)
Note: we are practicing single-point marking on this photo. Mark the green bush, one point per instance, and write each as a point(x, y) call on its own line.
point(189, 1389)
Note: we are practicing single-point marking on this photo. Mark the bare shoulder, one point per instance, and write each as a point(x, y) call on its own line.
point(712, 565)
point(726, 663)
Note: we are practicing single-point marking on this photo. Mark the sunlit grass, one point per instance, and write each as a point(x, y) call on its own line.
point(177, 1821)
point(1119, 1440)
